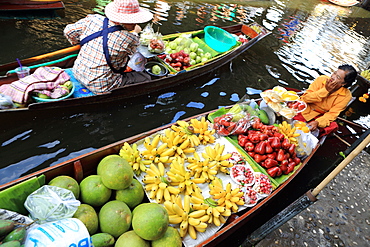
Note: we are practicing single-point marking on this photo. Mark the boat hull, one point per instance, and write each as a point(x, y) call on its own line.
point(308, 175)
point(133, 90)
point(24, 5)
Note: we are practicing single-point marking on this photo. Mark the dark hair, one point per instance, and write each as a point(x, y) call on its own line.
point(350, 76)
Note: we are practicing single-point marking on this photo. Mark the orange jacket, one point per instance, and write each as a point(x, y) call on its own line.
point(320, 102)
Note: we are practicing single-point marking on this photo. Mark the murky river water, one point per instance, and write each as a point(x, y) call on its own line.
point(308, 38)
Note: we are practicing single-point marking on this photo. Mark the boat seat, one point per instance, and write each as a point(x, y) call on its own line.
point(80, 89)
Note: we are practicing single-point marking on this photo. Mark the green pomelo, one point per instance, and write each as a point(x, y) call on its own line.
point(171, 238)
point(116, 173)
point(115, 218)
point(133, 195)
point(18, 234)
point(13, 243)
point(131, 239)
point(6, 226)
point(262, 115)
point(88, 216)
point(93, 191)
point(102, 240)
point(150, 221)
point(68, 183)
point(156, 69)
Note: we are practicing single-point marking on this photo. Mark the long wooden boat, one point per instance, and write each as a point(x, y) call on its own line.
point(30, 5)
point(130, 91)
point(240, 224)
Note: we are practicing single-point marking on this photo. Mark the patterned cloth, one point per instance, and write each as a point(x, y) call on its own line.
point(44, 79)
point(91, 67)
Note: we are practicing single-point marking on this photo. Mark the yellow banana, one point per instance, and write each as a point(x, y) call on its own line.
point(192, 232)
point(175, 219)
point(197, 213)
point(194, 221)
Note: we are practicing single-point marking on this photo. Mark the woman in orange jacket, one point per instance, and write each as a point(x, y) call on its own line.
point(327, 97)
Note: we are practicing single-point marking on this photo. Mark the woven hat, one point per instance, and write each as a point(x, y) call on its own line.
point(127, 11)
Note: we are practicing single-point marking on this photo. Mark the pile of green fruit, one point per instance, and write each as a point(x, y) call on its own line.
point(366, 74)
point(10, 236)
point(188, 46)
point(113, 210)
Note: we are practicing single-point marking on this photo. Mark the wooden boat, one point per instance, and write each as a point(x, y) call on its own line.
point(130, 91)
point(22, 5)
point(239, 225)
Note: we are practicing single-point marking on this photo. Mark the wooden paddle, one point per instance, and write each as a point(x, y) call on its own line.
point(341, 166)
point(27, 61)
point(304, 201)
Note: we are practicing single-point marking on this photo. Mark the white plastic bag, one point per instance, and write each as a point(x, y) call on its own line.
point(306, 143)
point(6, 102)
point(62, 233)
point(146, 34)
point(50, 203)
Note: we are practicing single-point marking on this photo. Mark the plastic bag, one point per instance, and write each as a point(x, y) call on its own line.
point(306, 143)
point(156, 44)
point(62, 233)
point(146, 34)
point(238, 119)
point(6, 102)
point(50, 203)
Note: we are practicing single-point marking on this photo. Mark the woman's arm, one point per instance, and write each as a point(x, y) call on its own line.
point(316, 92)
point(73, 31)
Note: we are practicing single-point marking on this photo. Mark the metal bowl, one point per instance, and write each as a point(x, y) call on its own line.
point(149, 66)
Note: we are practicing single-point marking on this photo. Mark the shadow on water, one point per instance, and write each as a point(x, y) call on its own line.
point(308, 38)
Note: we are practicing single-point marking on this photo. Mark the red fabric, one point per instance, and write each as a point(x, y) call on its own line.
point(327, 130)
point(299, 117)
point(322, 131)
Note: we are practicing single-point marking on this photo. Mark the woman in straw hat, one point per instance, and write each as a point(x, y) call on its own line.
point(106, 44)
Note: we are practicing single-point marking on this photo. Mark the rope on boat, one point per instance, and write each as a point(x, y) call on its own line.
point(46, 64)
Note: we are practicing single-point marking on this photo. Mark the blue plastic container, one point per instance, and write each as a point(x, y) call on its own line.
point(218, 39)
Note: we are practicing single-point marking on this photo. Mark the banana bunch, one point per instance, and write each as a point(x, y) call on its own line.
point(216, 214)
point(133, 157)
point(185, 130)
point(200, 127)
point(289, 132)
point(365, 74)
point(181, 213)
point(178, 176)
point(157, 154)
point(157, 183)
point(215, 154)
point(179, 142)
point(202, 168)
point(230, 199)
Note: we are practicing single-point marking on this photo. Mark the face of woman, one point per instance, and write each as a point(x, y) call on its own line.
point(129, 26)
point(336, 80)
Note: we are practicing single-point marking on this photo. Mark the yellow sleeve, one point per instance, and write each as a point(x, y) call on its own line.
point(316, 92)
point(334, 111)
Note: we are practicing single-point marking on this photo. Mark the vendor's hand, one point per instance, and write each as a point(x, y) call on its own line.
point(132, 27)
point(313, 125)
point(137, 29)
point(332, 86)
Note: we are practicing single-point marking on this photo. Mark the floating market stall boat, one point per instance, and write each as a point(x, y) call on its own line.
point(29, 5)
point(251, 34)
point(276, 194)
